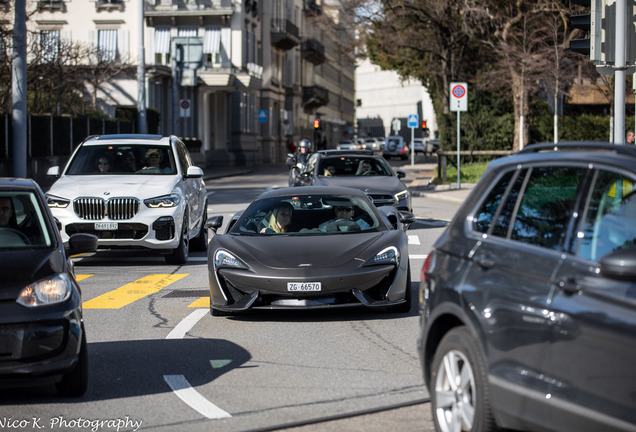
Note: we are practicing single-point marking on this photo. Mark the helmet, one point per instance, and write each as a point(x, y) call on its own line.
point(304, 143)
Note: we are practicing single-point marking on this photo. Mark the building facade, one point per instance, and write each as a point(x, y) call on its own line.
point(244, 77)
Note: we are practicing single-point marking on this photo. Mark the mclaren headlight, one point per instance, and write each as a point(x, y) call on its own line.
point(389, 255)
point(164, 201)
point(46, 292)
point(401, 195)
point(223, 258)
point(57, 202)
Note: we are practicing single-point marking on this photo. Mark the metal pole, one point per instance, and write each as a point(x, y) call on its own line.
point(459, 182)
point(141, 74)
point(18, 86)
point(413, 146)
point(619, 73)
point(175, 100)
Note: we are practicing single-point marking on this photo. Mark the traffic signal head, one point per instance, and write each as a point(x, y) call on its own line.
point(423, 124)
point(317, 124)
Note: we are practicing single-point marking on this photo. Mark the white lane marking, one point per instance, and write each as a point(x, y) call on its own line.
point(184, 391)
point(186, 324)
point(413, 239)
point(180, 386)
point(418, 256)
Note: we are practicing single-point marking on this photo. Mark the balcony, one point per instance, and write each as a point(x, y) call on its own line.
point(314, 97)
point(285, 34)
point(172, 12)
point(108, 5)
point(313, 51)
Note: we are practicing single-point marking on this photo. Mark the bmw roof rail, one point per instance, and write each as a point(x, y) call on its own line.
point(591, 146)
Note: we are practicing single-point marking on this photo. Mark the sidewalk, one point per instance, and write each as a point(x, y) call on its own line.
point(418, 179)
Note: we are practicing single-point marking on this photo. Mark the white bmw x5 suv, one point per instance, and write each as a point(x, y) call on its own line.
point(132, 191)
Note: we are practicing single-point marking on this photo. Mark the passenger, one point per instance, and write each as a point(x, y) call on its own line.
point(330, 170)
point(280, 219)
point(7, 213)
point(103, 164)
point(365, 168)
point(130, 162)
point(344, 212)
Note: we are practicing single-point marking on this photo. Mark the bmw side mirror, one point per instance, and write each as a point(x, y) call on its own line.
point(54, 171)
point(194, 172)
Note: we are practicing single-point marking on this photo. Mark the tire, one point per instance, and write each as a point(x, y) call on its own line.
point(200, 242)
point(75, 382)
point(459, 382)
point(179, 255)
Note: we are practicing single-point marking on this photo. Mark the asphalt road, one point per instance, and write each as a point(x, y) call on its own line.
point(160, 362)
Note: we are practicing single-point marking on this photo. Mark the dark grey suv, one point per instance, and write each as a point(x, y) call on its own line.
point(528, 299)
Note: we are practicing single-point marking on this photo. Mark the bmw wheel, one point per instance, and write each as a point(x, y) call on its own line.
point(180, 254)
point(460, 397)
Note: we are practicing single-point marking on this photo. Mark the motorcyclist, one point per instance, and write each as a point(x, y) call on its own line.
point(298, 161)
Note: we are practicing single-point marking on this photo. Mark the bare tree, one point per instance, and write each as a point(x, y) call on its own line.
point(102, 67)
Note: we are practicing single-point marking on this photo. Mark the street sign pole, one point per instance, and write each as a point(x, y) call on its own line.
point(459, 181)
point(413, 122)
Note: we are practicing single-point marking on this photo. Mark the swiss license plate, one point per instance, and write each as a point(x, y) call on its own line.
point(303, 286)
point(106, 226)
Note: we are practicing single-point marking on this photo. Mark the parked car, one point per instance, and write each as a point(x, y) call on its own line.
point(280, 253)
point(528, 310)
point(347, 168)
point(151, 197)
point(395, 146)
point(42, 336)
point(349, 144)
point(425, 146)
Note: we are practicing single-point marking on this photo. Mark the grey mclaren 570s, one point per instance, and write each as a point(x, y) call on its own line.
point(310, 248)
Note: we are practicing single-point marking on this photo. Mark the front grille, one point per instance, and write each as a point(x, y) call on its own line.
point(382, 200)
point(113, 209)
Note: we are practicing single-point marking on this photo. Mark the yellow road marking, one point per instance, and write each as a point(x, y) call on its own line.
point(82, 277)
point(132, 292)
point(202, 302)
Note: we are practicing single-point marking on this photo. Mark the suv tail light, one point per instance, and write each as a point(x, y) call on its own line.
point(425, 266)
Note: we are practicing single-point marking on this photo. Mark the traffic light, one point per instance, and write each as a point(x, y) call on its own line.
point(423, 124)
point(592, 24)
point(317, 124)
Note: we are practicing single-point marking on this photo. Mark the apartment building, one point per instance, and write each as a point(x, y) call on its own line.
point(246, 77)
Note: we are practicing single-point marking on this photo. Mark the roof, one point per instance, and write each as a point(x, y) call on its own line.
point(312, 190)
point(346, 152)
point(12, 183)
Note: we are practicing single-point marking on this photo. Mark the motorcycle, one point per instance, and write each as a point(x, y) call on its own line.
point(296, 169)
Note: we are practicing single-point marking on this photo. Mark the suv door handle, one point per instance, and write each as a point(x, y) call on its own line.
point(484, 261)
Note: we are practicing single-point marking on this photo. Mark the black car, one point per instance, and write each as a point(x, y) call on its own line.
point(359, 169)
point(42, 337)
point(528, 299)
point(310, 248)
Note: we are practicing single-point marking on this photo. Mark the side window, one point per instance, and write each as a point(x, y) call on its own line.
point(610, 220)
point(546, 206)
point(506, 213)
point(484, 217)
point(311, 163)
point(184, 159)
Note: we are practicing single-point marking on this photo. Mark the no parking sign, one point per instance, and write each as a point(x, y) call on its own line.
point(459, 97)
point(184, 107)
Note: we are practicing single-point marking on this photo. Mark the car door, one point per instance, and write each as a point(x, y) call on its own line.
point(523, 225)
point(593, 351)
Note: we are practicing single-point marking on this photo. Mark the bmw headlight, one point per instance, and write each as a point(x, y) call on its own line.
point(164, 201)
point(57, 202)
point(46, 292)
point(223, 258)
point(389, 255)
point(401, 195)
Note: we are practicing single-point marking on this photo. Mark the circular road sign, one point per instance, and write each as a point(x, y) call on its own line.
point(459, 91)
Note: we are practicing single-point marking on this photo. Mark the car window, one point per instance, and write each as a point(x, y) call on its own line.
point(308, 215)
point(184, 157)
point(122, 159)
point(537, 206)
point(353, 166)
point(610, 220)
point(25, 227)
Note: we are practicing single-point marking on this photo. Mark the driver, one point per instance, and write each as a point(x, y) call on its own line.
point(344, 212)
point(7, 213)
point(365, 168)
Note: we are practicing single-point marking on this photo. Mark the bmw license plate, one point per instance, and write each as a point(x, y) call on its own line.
point(303, 286)
point(106, 226)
